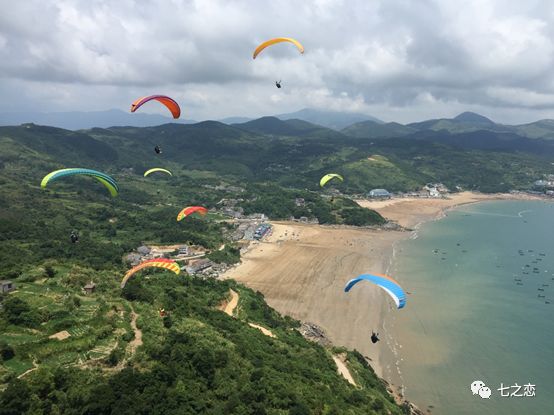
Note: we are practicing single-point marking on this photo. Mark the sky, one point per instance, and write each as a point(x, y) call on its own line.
point(398, 60)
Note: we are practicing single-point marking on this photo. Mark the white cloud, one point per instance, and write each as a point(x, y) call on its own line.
point(395, 59)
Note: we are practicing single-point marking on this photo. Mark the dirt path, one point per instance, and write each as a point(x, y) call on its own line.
point(35, 367)
point(263, 330)
point(229, 308)
point(137, 341)
point(343, 370)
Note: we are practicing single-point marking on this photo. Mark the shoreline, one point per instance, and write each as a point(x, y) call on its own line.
point(301, 269)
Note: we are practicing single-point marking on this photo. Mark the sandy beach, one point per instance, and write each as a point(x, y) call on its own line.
point(301, 269)
point(411, 212)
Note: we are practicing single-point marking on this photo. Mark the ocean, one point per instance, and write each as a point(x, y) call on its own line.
point(480, 308)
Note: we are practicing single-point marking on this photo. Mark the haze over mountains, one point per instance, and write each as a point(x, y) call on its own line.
point(77, 120)
point(347, 123)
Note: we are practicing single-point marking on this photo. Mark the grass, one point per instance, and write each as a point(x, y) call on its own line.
point(17, 366)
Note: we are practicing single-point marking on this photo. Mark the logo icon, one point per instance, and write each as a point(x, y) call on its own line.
point(485, 392)
point(478, 387)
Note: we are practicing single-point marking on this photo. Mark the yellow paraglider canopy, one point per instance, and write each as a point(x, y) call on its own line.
point(277, 40)
point(328, 177)
point(147, 172)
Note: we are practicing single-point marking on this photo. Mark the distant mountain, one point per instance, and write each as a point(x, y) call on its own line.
point(538, 129)
point(472, 118)
point(465, 122)
point(235, 120)
point(372, 129)
point(297, 128)
point(77, 120)
point(330, 119)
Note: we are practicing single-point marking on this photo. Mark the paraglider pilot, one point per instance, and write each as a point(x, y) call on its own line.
point(74, 237)
point(158, 150)
point(374, 337)
point(278, 84)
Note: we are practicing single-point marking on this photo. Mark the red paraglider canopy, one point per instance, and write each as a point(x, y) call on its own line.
point(170, 103)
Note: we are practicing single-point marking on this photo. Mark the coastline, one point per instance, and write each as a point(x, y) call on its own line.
point(301, 269)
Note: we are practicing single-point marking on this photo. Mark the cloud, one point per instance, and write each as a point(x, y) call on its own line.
point(396, 59)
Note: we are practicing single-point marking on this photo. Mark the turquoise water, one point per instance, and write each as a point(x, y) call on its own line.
point(468, 319)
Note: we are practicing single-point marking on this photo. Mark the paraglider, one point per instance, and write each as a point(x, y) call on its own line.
point(391, 287)
point(170, 104)
point(103, 178)
point(189, 210)
point(74, 237)
point(270, 42)
point(278, 84)
point(156, 262)
point(158, 150)
point(328, 177)
point(147, 172)
point(374, 337)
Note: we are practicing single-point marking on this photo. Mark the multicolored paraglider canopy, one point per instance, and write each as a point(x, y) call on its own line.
point(170, 103)
point(270, 42)
point(189, 210)
point(385, 282)
point(147, 172)
point(156, 262)
point(329, 177)
point(103, 178)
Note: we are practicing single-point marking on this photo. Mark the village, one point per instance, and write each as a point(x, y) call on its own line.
point(255, 227)
point(193, 258)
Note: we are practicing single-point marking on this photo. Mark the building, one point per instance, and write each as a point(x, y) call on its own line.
point(184, 250)
point(379, 193)
point(544, 183)
point(89, 288)
point(198, 265)
point(6, 286)
point(133, 258)
point(262, 231)
point(434, 192)
point(233, 213)
point(143, 250)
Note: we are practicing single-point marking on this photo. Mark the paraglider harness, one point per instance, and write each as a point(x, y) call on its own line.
point(278, 84)
point(158, 150)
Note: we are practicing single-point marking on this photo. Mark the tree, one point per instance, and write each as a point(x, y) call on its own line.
point(6, 351)
point(49, 271)
point(15, 310)
point(16, 398)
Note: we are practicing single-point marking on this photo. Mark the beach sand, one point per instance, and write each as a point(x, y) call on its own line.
point(301, 269)
point(411, 212)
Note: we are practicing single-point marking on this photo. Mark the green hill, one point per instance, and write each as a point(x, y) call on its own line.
point(372, 129)
point(195, 360)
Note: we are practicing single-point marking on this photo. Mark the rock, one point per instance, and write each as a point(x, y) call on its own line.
point(314, 333)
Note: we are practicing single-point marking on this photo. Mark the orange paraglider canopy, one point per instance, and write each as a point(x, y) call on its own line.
point(189, 210)
point(156, 262)
point(278, 40)
point(170, 103)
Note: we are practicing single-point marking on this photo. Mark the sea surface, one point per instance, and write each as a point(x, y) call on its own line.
point(480, 308)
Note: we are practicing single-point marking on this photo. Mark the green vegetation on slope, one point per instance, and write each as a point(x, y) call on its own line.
point(195, 359)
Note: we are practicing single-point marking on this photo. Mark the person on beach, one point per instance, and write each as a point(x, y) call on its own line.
point(374, 337)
